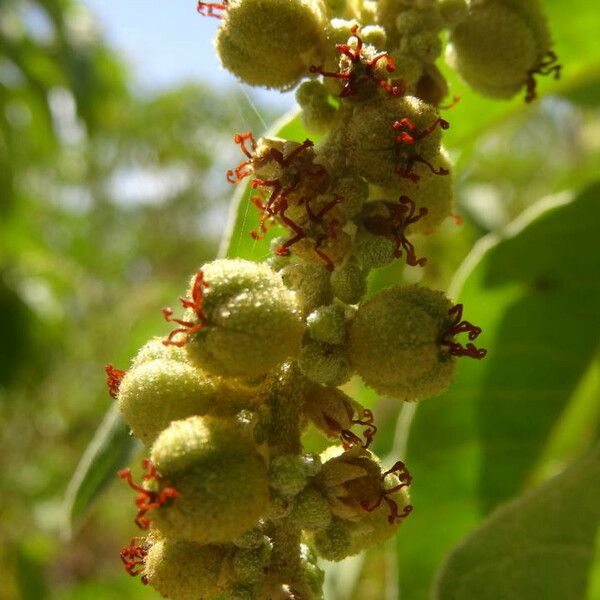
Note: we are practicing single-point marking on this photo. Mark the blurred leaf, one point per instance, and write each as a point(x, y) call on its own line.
point(534, 291)
point(30, 576)
point(16, 342)
point(237, 241)
point(110, 449)
point(538, 546)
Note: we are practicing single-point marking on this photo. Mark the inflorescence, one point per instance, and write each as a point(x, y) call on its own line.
point(234, 506)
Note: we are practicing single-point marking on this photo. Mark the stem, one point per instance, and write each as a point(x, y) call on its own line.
point(284, 437)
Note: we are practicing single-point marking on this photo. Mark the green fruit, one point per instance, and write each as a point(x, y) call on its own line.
point(189, 571)
point(154, 349)
point(269, 42)
point(497, 46)
point(220, 479)
point(394, 342)
point(249, 321)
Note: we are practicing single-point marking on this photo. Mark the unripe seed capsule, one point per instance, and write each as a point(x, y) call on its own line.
point(400, 338)
point(157, 392)
point(499, 47)
point(241, 321)
point(389, 135)
point(154, 349)
point(220, 478)
point(269, 42)
point(189, 571)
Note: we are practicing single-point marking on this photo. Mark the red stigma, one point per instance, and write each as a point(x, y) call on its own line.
point(212, 9)
point(188, 328)
point(133, 557)
point(460, 326)
point(113, 379)
point(147, 500)
point(247, 145)
point(407, 135)
point(353, 75)
point(401, 472)
point(547, 66)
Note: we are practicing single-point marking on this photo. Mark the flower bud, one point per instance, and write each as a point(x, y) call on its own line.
point(317, 111)
point(349, 282)
point(327, 324)
point(271, 43)
point(311, 510)
point(221, 480)
point(249, 563)
point(324, 363)
point(288, 473)
point(310, 281)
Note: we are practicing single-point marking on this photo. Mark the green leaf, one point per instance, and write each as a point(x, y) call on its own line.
point(538, 546)
point(534, 292)
point(237, 241)
point(110, 449)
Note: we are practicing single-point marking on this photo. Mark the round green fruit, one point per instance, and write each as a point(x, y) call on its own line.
point(221, 480)
point(395, 342)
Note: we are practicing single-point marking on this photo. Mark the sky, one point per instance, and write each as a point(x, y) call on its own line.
point(166, 42)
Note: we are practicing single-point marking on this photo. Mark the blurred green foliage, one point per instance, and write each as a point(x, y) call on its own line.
point(110, 200)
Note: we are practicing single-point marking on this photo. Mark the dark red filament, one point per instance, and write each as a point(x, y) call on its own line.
point(134, 557)
point(212, 9)
point(329, 228)
point(400, 470)
point(350, 439)
point(400, 215)
point(353, 76)
point(407, 135)
point(460, 326)
point(547, 66)
point(275, 203)
point(245, 167)
point(147, 500)
point(188, 328)
point(113, 379)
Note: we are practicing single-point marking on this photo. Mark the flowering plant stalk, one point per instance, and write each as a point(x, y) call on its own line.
point(232, 505)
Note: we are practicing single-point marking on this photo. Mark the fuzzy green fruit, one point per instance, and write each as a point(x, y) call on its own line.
point(221, 480)
point(157, 392)
point(189, 571)
point(154, 349)
point(248, 320)
point(271, 43)
point(497, 46)
point(395, 342)
point(389, 135)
